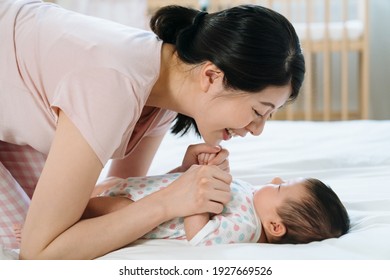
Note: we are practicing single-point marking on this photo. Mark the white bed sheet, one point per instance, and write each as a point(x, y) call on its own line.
point(353, 157)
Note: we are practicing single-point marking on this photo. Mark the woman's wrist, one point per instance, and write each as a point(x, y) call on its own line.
point(164, 203)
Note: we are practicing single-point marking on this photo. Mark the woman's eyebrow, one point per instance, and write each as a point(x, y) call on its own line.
point(269, 104)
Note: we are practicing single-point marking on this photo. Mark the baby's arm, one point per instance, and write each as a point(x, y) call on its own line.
point(193, 224)
point(99, 206)
point(102, 205)
point(104, 185)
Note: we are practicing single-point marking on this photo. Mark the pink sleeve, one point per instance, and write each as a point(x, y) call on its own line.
point(102, 105)
point(163, 124)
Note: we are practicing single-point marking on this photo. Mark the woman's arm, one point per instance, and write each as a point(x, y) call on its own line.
point(193, 224)
point(138, 162)
point(98, 206)
point(53, 229)
point(102, 205)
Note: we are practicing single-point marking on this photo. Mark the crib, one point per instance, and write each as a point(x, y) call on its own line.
point(334, 38)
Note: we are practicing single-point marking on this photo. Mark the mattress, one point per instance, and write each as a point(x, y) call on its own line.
point(353, 157)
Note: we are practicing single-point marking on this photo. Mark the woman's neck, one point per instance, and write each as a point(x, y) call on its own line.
point(172, 89)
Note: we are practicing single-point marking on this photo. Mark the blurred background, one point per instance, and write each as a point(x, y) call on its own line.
point(346, 45)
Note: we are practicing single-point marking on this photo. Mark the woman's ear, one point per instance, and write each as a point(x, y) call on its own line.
point(210, 74)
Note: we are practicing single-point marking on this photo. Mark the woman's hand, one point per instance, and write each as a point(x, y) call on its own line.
point(201, 189)
point(196, 154)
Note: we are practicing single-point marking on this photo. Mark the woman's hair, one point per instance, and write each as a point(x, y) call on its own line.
point(318, 216)
point(254, 46)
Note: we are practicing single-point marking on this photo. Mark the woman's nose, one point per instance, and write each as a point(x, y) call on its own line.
point(256, 127)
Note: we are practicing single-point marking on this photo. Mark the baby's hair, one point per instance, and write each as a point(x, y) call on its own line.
point(254, 46)
point(319, 215)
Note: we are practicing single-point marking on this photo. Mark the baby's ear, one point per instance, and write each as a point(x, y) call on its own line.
point(276, 228)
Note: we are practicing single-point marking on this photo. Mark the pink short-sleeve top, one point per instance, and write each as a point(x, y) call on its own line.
point(99, 73)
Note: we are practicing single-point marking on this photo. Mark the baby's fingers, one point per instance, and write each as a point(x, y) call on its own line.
point(205, 158)
point(219, 157)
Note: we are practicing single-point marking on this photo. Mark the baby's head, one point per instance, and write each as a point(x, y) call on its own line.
point(300, 211)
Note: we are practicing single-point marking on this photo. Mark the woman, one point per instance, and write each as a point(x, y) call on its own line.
point(77, 91)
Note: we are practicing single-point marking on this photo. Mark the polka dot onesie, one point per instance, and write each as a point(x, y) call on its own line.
point(237, 223)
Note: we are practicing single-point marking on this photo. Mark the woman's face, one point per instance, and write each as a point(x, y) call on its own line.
point(225, 114)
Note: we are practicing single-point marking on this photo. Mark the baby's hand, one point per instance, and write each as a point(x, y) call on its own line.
point(219, 159)
point(205, 158)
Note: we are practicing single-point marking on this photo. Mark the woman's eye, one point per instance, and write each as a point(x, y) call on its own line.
point(257, 113)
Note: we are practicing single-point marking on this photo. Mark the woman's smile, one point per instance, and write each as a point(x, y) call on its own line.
point(230, 133)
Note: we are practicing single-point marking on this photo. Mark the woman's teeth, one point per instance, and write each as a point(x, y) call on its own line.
point(231, 132)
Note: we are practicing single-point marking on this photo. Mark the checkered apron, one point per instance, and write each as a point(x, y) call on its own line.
point(20, 168)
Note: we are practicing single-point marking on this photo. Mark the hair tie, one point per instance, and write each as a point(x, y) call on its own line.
point(198, 18)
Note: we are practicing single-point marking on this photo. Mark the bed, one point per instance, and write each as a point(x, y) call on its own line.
point(353, 157)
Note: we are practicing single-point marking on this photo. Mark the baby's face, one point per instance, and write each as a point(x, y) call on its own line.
point(270, 197)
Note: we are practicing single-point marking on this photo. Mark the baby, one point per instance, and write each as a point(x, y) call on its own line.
point(294, 211)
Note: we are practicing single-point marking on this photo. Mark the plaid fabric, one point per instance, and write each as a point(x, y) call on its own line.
point(20, 168)
point(24, 163)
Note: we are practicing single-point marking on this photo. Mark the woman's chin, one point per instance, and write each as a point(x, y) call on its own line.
point(212, 142)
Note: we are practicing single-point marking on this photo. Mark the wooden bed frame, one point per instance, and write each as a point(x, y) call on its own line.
point(336, 51)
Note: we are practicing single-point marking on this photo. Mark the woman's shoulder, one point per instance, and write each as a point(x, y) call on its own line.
point(97, 35)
